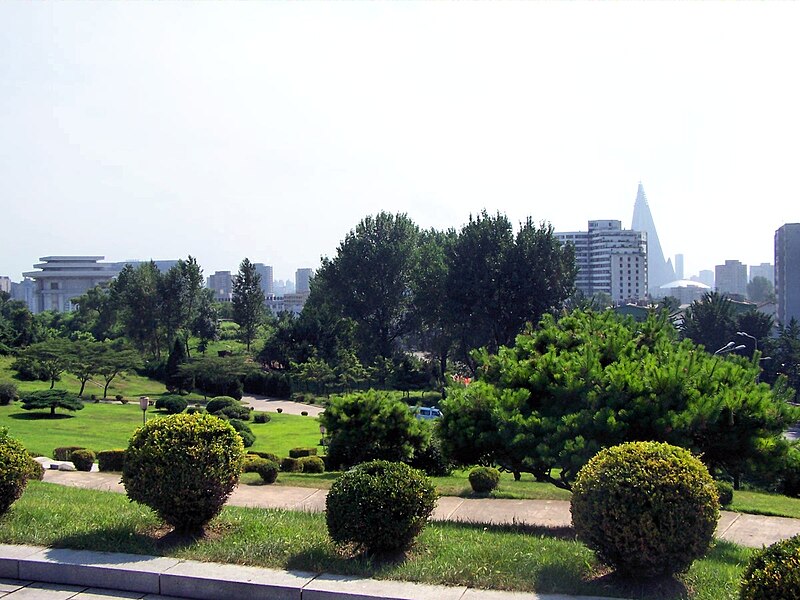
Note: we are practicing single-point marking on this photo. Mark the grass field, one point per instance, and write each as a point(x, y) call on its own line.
point(524, 559)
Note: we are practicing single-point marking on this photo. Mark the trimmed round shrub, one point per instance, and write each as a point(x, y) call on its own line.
point(184, 467)
point(111, 460)
point(484, 479)
point(301, 452)
point(773, 573)
point(261, 417)
point(268, 455)
point(8, 393)
point(291, 465)
point(174, 405)
point(36, 470)
point(303, 413)
point(646, 508)
point(219, 402)
point(240, 412)
point(279, 410)
point(311, 464)
point(248, 438)
point(725, 492)
point(83, 459)
point(65, 452)
point(267, 469)
point(15, 469)
point(379, 506)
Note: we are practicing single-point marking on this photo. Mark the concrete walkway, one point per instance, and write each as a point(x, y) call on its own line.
point(753, 531)
point(263, 403)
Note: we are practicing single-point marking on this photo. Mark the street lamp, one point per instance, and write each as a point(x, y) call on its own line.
point(322, 432)
point(747, 335)
point(730, 347)
point(144, 401)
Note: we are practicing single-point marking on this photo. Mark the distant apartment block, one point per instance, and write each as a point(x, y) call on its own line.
point(706, 277)
point(24, 292)
point(679, 266)
point(731, 278)
point(787, 272)
point(266, 278)
point(765, 270)
point(610, 260)
point(302, 278)
point(221, 283)
point(5, 284)
point(292, 303)
point(61, 279)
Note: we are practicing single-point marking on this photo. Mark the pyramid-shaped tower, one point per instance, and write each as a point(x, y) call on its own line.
point(659, 270)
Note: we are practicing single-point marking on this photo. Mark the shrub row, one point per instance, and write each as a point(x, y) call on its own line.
point(274, 385)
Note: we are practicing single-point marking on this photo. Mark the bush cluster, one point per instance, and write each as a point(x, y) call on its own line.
point(301, 452)
point(291, 465)
point(172, 404)
point(379, 506)
point(8, 393)
point(82, 459)
point(65, 452)
point(773, 573)
point(646, 508)
point(484, 479)
point(268, 455)
point(311, 464)
point(184, 467)
point(236, 411)
point(217, 403)
point(219, 384)
point(261, 418)
point(248, 438)
point(267, 469)
point(111, 460)
point(274, 385)
point(725, 492)
point(15, 469)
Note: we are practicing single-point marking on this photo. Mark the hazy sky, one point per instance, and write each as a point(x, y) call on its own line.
point(268, 130)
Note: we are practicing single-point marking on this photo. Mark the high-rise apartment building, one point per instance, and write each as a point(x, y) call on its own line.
point(302, 280)
point(610, 260)
point(5, 284)
point(765, 270)
point(221, 283)
point(266, 278)
point(787, 272)
point(679, 266)
point(731, 278)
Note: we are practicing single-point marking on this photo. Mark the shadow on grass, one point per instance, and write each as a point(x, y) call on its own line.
point(657, 588)
point(33, 416)
point(111, 539)
point(560, 532)
point(345, 562)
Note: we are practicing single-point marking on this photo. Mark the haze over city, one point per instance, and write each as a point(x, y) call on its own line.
point(268, 130)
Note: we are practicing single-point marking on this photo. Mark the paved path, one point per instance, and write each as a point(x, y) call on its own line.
point(272, 405)
point(754, 531)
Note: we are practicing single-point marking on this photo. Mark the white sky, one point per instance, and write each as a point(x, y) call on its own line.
point(268, 130)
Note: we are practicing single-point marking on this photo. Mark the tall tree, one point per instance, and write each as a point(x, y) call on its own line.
point(84, 361)
point(369, 281)
point(115, 358)
point(709, 321)
point(248, 301)
point(52, 357)
point(135, 292)
point(205, 323)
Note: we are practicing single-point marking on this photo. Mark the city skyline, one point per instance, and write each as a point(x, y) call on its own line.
point(268, 130)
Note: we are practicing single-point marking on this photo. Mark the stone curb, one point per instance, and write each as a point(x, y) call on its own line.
point(212, 581)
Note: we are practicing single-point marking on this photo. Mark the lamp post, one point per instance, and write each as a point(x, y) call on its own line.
point(322, 432)
point(730, 347)
point(747, 335)
point(144, 401)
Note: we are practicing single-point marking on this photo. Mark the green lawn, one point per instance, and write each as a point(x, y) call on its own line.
point(524, 559)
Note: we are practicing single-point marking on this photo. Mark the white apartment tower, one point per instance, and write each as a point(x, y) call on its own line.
point(610, 260)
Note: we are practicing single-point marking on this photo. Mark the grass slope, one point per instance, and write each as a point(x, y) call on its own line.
point(532, 559)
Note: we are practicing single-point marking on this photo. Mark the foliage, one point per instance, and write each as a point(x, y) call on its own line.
point(484, 479)
point(261, 417)
point(18, 327)
point(8, 393)
point(248, 301)
point(172, 404)
point(291, 465)
point(301, 452)
point(248, 438)
point(312, 464)
point(589, 381)
point(379, 506)
point(760, 289)
point(216, 375)
point(725, 492)
point(369, 426)
point(175, 381)
point(184, 467)
point(432, 458)
point(35, 469)
point(236, 411)
point(217, 403)
point(267, 470)
point(14, 470)
point(111, 460)
point(83, 459)
point(115, 358)
point(773, 573)
point(65, 452)
point(274, 385)
point(51, 399)
point(646, 508)
point(52, 358)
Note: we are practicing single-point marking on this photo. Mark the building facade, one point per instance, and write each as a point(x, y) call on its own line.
point(787, 272)
point(765, 270)
point(302, 280)
point(610, 260)
point(266, 278)
point(61, 279)
point(731, 278)
point(221, 283)
point(5, 284)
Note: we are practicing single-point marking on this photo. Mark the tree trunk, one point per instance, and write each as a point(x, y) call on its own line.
point(52, 411)
point(83, 385)
point(52, 382)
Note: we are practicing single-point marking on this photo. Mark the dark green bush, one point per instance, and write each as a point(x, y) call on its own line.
point(184, 467)
point(267, 469)
point(65, 452)
point(432, 460)
point(248, 438)
point(193, 410)
point(773, 573)
point(82, 459)
point(301, 452)
point(303, 413)
point(312, 464)
point(274, 385)
point(725, 492)
point(240, 412)
point(646, 508)
point(484, 479)
point(8, 393)
point(261, 417)
point(379, 506)
point(36, 470)
point(279, 410)
point(291, 465)
point(174, 405)
point(30, 370)
point(15, 469)
point(268, 455)
point(111, 460)
point(217, 404)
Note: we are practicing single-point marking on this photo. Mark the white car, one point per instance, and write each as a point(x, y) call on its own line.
point(423, 412)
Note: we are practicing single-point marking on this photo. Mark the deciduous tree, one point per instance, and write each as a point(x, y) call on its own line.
point(248, 301)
